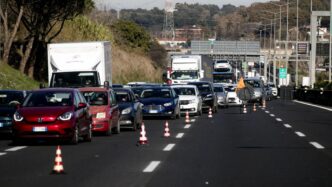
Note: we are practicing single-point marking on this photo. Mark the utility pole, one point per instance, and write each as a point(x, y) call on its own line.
point(297, 44)
point(168, 27)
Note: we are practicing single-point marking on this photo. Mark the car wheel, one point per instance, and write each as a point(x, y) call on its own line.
point(116, 129)
point(88, 137)
point(75, 138)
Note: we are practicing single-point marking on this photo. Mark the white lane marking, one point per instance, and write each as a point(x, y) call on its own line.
point(267, 111)
point(187, 126)
point(193, 120)
point(15, 148)
point(278, 119)
point(1, 154)
point(317, 106)
point(287, 126)
point(272, 115)
point(300, 134)
point(169, 147)
point(151, 167)
point(317, 145)
point(179, 135)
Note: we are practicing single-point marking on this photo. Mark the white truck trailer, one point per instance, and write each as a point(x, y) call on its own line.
point(185, 68)
point(79, 64)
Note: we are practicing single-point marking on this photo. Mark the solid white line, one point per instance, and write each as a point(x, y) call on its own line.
point(150, 168)
point(187, 126)
point(317, 145)
point(1, 154)
point(317, 106)
point(169, 147)
point(287, 126)
point(267, 112)
point(278, 119)
point(179, 135)
point(300, 134)
point(16, 148)
point(272, 115)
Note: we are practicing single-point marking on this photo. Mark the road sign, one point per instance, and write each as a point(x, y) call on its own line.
point(282, 73)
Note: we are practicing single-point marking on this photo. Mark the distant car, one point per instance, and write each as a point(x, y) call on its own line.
point(160, 101)
point(259, 90)
point(130, 108)
point(273, 88)
point(222, 66)
point(209, 97)
point(221, 94)
point(189, 97)
point(9, 100)
point(268, 92)
point(103, 108)
point(53, 113)
point(231, 97)
point(117, 86)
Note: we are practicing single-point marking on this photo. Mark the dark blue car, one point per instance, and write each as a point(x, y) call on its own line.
point(160, 101)
point(130, 108)
point(9, 100)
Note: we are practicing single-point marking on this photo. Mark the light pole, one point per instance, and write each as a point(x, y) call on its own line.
point(297, 44)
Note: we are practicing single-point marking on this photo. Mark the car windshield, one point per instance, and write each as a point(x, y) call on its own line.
point(184, 75)
point(204, 88)
point(184, 91)
point(163, 93)
point(122, 96)
point(48, 99)
point(218, 89)
point(96, 98)
point(253, 83)
point(6, 98)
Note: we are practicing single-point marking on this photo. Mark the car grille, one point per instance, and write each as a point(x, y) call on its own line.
point(153, 107)
point(184, 102)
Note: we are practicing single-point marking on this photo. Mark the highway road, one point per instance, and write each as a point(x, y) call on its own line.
point(286, 144)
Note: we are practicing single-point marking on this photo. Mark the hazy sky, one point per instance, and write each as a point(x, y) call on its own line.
point(148, 4)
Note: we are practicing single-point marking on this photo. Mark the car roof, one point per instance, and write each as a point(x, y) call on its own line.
point(183, 86)
point(122, 89)
point(57, 89)
point(84, 89)
point(200, 82)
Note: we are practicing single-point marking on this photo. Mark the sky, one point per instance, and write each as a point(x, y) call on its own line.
point(148, 4)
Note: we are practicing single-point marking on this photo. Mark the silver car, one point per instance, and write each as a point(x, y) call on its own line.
point(221, 94)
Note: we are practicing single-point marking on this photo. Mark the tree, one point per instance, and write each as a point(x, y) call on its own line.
point(10, 26)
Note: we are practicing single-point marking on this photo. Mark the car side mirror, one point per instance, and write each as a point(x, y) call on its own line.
point(81, 105)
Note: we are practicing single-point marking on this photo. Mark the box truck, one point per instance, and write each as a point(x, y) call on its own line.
point(79, 64)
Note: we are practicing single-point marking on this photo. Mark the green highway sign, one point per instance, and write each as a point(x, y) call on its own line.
point(282, 73)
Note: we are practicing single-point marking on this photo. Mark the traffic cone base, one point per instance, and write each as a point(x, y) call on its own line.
point(210, 113)
point(244, 109)
point(143, 139)
point(166, 133)
point(58, 166)
point(187, 117)
point(254, 107)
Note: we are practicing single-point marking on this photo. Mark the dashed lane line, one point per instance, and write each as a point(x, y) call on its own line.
point(317, 145)
point(169, 147)
point(179, 135)
point(267, 111)
point(278, 119)
point(151, 167)
point(288, 126)
point(187, 126)
point(300, 134)
point(15, 148)
point(272, 115)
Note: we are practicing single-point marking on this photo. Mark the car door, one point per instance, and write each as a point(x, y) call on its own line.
point(114, 108)
point(79, 112)
point(87, 117)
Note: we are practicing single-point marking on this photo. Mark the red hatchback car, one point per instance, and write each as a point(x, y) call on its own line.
point(53, 113)
point(103, 108)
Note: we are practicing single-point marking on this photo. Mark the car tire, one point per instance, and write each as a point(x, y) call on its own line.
point(109, 130)
point(75, 138)
point(116, 130)
point(88, 137)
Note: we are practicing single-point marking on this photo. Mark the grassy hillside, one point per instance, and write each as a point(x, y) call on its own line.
point(10, 78)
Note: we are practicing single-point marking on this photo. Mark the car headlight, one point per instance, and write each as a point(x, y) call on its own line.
point(66, 116)
point(126, 111)
point(101, 115)
point(168, 104)
point(18, 117)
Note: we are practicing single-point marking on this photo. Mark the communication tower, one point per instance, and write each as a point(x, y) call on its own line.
point(168, 27)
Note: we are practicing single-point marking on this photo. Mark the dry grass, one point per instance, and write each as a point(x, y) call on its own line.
point(128, 67)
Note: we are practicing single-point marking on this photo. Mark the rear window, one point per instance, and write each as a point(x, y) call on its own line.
point(185, 91)
point(253, 83)
point(96, 98)
point(218, 89)
point(122, 96)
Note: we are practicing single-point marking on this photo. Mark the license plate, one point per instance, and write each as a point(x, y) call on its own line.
point(153, 111)
point(1, 124)
point(39, 129)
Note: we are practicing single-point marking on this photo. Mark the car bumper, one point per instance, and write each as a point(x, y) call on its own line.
point(234, 102)
point(126, 120)
point(100, 125)
point(191, 108)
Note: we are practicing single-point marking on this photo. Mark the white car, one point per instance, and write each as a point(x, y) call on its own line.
point(232, 99)
point(273, 88)
point(222, 66)
point(221, 93)
point(189, 97)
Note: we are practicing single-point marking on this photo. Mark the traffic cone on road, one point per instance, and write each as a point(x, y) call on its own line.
point(166, 133)
point(187, 117)
point(210, 113)
point(143, 139)
point(244, 109)
point(58, 167)
point(254, 109)
point(264, 103)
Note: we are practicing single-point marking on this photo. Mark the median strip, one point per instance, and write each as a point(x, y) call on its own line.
point(169, 147)
point(151, 167)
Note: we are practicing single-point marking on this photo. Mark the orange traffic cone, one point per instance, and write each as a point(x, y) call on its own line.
point(244, 109)
point(58, 167)
point(254, 109)
point(264, 104)
point(210, 113)
point(166, 133)
point(143, 139)
point(187, 117)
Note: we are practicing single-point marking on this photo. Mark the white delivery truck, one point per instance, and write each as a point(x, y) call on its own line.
point(185, 68)
point(79, 64)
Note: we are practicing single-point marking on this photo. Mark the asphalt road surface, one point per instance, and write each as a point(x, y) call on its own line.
point(286, 144)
